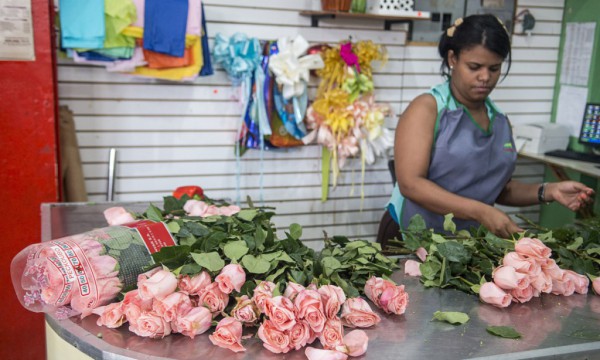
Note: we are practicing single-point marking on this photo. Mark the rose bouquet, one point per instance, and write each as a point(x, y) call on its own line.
point(502, 271)
point(344, 117)
point(75, 274)
point(226, 267)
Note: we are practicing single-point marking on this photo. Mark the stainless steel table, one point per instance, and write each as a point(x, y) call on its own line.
point(553, 327)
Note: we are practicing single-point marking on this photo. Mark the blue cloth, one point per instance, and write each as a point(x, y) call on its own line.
point(207, 65)
point(82, 23)
point(165, 22)
point(466, 160)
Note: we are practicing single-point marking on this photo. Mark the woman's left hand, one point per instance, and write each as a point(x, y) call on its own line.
point(570, 194)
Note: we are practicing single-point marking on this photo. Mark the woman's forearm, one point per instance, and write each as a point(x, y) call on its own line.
point(517, 193)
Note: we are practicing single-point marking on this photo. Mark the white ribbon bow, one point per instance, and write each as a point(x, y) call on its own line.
point(292, 70)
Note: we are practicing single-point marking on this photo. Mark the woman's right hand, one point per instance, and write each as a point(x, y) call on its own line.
point(498, 223)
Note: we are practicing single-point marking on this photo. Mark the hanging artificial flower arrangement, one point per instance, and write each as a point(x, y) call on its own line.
point(344, 117)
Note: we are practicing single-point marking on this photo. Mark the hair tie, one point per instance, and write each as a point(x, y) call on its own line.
point(502, 23)
point(450, 31)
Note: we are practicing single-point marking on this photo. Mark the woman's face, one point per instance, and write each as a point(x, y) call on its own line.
point(475, 72)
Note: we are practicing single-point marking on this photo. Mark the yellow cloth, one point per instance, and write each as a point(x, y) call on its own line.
point(173, 73)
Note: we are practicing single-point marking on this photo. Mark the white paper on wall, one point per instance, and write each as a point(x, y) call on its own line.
point(571, 105)
point(577, 53)
point(16, 30)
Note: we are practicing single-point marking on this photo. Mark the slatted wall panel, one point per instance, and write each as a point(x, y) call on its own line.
point(171, 134)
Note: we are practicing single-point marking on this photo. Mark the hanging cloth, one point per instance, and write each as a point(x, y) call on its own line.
point(82, 23)
point(118, 15)
point(165, 23)
point(176, 74)
point(207, 66)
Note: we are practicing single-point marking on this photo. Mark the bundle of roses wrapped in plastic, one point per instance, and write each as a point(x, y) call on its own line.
point(200, 262)
point(502, 271)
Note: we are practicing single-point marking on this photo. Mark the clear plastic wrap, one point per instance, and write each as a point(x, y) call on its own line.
point(76, 274)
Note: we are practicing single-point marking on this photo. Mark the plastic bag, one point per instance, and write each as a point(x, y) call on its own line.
point(76, 274)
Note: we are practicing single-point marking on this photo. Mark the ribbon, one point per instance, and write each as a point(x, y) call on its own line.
point(239, 56)
point(291, 69)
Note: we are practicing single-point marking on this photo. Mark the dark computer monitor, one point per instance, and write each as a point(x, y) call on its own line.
point(590, 126)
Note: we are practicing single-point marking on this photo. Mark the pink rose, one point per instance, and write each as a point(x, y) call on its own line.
point(421, 254)
point(262, 292)
point(532, 247)
point(133, 305)
point(507, 278)
point(111, 315)
point(232, 277)
point(292, 289)
point(213, 298)
point(158, 286)
point(228, 335)
point(320, 354)
point(147, 275)
point(172, 306)
point(229, 210)
point(521, 263)
point(104, 266)
point(332, 297)
point(280, 311)
point(541, 283)
point(194, 322)
point(149, 324)
point(193, 285)
point(581, 282)
point(412, 268)
point(332, 335)
point(356, 312)
point(355, 343)
point(299, 335)
point(522, 295)
point(596, 285)
point(274, 340)
point(490, 293)
point(195, 207)
point(563, 285)
point(374, 288)
point(394, 300)
point(211, 210)
point(117, 216)
point(245, 311)
point(550, 268)
point(309, 307)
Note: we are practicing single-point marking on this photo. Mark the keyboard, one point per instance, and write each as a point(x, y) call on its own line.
point(574, 155)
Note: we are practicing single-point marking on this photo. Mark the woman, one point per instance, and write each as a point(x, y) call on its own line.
point(454, 151)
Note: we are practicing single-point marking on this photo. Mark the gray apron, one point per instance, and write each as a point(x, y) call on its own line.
point(466, 160)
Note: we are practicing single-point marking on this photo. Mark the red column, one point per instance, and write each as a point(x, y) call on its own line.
point(28, 175)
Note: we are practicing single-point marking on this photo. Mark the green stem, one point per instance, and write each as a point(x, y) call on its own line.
point(531, 223)
point(466, 281)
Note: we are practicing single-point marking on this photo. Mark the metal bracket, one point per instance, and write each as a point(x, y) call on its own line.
point(387, 25)
point(314, 19)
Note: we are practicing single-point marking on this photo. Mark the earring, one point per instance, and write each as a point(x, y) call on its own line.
point(451, 67)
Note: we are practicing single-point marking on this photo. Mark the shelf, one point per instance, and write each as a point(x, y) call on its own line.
point(315, 16)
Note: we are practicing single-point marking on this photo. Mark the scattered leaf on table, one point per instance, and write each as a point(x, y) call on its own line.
point(588, 334)
point(452, 317)
point(504, 331)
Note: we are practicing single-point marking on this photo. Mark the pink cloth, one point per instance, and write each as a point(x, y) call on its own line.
point(194, 20)
point(140, 5)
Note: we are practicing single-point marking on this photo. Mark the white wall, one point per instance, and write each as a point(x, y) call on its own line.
point(171, 134)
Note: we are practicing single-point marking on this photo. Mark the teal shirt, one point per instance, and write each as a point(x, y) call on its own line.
point(465, 159)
